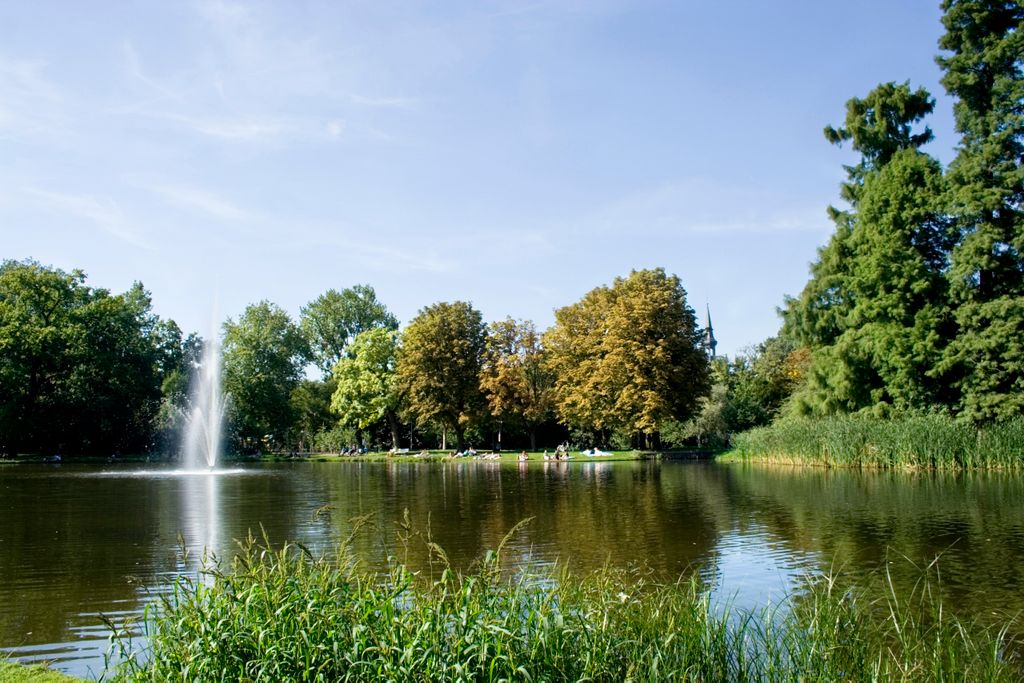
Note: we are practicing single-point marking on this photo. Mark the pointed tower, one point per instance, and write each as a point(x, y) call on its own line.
point(709, 343)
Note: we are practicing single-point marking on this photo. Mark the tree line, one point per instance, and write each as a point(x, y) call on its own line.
point(83, 370)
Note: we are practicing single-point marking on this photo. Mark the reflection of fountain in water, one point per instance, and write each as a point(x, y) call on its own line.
point(201, 519)
point(205, 420)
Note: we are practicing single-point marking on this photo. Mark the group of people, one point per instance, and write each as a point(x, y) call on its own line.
point(561, 453)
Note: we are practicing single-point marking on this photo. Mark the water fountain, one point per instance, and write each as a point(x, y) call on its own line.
point(205, 419)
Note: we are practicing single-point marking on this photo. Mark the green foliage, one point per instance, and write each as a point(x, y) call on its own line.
point(335, 439)
point(80, 369)
point(287, 616)
point(628, 357)
point(921, 441)
point(761, 383)
point(879, 126)
point(263, 358)
point(311, 410)
point(918, 299)
point(439, 367)
point(985, 72)
point(367, 382)
point(334, 319)
point(876, 312)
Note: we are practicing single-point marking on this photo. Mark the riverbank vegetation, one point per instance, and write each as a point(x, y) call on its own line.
point(922, 442)
point(286, 615)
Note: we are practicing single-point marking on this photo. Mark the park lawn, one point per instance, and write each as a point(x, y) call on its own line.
point(18, 673)
point(444, 456)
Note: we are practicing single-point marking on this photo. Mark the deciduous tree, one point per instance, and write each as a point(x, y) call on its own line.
point(334, 319)
point(628, 357)
point(81, 369)
point(367, 382)
point(439, 366)
point(515, 378)
point(263, 358)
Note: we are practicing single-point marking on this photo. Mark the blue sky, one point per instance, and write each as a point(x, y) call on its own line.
point(513, 154)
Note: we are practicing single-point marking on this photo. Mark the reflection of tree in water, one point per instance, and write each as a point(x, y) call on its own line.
point(584, 513)
point(864, 523)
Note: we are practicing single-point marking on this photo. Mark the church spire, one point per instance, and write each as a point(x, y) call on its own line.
point(709, 343)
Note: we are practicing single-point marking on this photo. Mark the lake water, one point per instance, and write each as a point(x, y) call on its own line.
point(80, 541)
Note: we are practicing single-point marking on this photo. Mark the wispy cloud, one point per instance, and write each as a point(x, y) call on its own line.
point(29, 101)
point(390, 102)
point(233, 129)
point(103, 212)
point(698, 206)
point(194, 199)
point(509, 243)
point(370, 253)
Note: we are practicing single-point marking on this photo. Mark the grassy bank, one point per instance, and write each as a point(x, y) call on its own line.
point(445, 456)
point(16, 673)
point(284, 615)
point(932, 441)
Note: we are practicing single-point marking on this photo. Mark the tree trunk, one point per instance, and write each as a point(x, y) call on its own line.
point(393, 424)
point(460, 434)
point(533, 438)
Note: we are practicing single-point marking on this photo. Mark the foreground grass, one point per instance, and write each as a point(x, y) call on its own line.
point(287, 616)
point(932, 441)
point(16, 673)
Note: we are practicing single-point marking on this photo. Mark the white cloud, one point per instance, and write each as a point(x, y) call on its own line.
point(368, 253)
point(391, 102)
point(335, 128)
point(203, 201)
point(103, 212)
point(238, 129)
point(701, 206)
point(29, 101)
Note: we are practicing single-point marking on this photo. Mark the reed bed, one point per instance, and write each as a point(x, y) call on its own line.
point(926, 441)
point(284, 615)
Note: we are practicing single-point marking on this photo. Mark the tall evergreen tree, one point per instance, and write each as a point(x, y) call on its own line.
point(985, 73)
point(874, 311)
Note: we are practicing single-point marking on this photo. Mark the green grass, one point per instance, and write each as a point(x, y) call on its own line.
point(445, 456)
point(932, 441)
point(284, 615)
point(17, 673)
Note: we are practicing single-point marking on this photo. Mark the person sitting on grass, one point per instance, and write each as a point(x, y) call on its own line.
point(523, 457)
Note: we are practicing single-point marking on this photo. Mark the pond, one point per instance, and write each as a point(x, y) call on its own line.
point(77, 542)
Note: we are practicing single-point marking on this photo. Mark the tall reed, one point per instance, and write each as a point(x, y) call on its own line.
point(285, 615)
point(926, 441)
